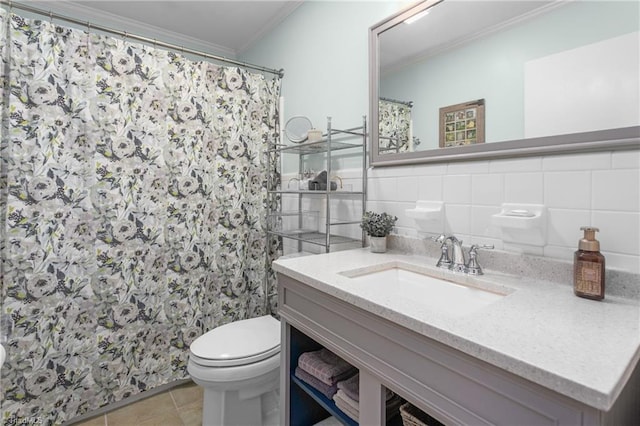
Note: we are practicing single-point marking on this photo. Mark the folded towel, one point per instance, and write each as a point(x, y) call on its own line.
point(329, 421)
point(319, 183)
point(321, 387)
point(325, 366)
point(393, 406)
point(347, 409)
point(352, 408)
point(351, 387)
point(321, 186)
point(345, 398)
point(321, 177)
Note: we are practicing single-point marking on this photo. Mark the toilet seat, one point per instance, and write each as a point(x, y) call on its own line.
point(238, 343)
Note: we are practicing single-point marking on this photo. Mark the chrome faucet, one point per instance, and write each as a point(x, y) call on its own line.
point(458, 263)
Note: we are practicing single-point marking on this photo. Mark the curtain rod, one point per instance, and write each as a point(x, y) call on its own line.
point(154, 42)
point(395, 101)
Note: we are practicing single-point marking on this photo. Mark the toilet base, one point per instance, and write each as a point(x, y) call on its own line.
point(248, 401)
point(227, 408)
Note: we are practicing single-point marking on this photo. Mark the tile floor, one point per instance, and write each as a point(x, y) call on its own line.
point(180, 406)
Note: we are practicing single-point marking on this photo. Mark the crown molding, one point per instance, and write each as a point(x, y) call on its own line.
point(283, 13)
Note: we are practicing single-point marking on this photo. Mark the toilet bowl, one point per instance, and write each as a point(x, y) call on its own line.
point(238, 365)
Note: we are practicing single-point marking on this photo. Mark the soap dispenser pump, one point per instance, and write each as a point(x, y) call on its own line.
point(588, 266)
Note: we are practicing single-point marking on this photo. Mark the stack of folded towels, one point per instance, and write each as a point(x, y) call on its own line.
point(348, 400)
point(322, 370)
point(338, 380)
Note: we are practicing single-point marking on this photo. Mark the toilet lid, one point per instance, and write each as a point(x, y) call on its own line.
point(239, 343)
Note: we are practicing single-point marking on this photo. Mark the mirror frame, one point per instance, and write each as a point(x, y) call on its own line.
point(600, 140)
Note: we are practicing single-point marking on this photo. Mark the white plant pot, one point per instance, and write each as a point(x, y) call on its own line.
point(378, 244)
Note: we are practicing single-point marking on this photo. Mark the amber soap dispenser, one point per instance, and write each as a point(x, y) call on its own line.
point(588, 266)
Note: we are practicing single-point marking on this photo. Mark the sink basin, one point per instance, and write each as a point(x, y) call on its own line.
point(401, 284)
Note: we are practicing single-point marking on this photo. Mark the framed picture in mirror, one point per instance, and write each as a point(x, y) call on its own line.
point(462, 124)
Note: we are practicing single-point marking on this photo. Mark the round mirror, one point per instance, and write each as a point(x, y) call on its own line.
point(297, 127)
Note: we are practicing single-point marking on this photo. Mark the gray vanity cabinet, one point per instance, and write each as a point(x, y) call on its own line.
point(447, 384)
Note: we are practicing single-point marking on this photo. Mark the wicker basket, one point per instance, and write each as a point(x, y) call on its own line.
point(412, 416)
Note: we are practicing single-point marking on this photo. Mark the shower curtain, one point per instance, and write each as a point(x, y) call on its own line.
point(394, 127)
point(132, 210)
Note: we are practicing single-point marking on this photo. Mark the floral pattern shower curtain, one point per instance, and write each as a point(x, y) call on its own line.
point(394, 126)
point(132, 212)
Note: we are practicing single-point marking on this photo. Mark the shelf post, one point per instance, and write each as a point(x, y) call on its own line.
point(327, 199)
point(364, 172)
point(372, 400)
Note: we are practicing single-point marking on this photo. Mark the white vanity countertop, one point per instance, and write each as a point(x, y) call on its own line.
point(541, 331)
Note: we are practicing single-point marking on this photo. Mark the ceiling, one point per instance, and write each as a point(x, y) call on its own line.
point(221, 27)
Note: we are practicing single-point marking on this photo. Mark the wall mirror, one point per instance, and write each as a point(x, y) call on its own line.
point(461, 80)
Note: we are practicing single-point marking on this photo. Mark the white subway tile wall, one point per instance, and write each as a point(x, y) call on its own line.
point(481, 222)
point(593, 161)
point(561, 229)
point(597, 189)
point(487, 189)
point(567, 190)
point(625, 160)
point(533, 164)
point(429, 187)
point(407, 188)
point(458, 216)
point(524, 187)
point(456, 189)
point(620, 230)
point(616, 190)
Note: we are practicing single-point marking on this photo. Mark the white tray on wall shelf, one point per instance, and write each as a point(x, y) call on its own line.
point(522, 223)
point(428, 216)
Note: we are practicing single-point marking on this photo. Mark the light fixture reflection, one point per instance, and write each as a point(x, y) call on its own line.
point(414, 18)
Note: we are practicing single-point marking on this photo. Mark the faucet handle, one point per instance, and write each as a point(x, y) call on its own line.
point(474, 248)
point(473, 267)
point(439, 239)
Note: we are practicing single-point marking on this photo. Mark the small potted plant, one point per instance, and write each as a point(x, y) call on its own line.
point(377, 226)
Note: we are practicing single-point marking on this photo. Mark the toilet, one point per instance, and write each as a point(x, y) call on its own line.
point(238, 365)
